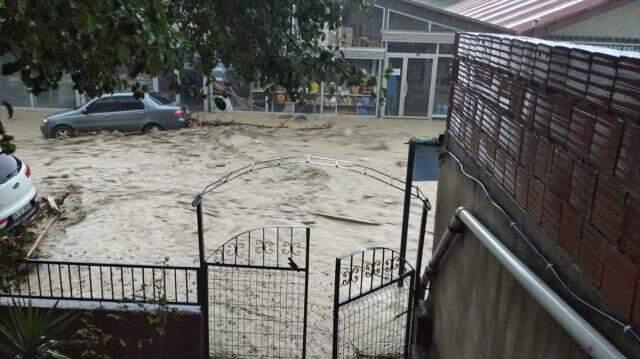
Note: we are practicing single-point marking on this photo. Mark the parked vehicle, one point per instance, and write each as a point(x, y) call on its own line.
point(17, 194)
point(119, 111)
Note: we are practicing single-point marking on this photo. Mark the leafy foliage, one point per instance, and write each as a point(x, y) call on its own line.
point(270, 42)
point(105, 45)
point(33, 333)
point(12, 250)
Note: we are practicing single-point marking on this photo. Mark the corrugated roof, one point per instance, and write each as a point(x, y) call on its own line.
point(522, 16)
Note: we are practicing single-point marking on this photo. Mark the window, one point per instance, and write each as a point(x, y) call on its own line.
point(406, 23)
point(362, 28)
point(443, 81)
point(129, 104)
point(9, 167)
point(412, 47)
point(446, 49)
point(159, 99)
point(439, 28)
point(107, 104)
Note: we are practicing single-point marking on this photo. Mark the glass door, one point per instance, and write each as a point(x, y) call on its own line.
point(418, 82)
point(395, 82)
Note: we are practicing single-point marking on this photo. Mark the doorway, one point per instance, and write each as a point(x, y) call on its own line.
point(409, 85)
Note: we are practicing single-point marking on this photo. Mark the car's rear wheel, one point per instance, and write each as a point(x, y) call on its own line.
point(151, 128)
point(61, 132)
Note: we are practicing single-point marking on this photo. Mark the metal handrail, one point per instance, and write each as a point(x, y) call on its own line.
point(591, 341)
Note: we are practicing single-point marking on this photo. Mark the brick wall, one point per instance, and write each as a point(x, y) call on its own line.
point(558, 127)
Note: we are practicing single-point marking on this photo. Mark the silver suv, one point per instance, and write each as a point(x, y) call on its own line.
point(119, 111)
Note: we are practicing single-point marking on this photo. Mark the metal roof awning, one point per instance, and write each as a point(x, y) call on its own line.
point(523, 16)
point(364, 53)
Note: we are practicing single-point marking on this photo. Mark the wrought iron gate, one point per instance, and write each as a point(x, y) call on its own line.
point(258, 288)
point(372, 304)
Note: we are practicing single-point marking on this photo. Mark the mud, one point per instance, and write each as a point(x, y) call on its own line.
point(134, 192)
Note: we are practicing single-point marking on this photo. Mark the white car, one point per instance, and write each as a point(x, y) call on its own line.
point(17, 194)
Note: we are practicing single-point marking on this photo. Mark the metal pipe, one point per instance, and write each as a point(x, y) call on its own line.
point(455, 227)
point(579, 329)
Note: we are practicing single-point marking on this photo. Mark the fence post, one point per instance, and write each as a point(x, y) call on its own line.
point(203, 285)
point(306, 296)
point(407, 204)
point(336, 301)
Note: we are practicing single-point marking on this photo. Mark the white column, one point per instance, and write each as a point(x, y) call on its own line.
point(432, 87)
point(156, 84)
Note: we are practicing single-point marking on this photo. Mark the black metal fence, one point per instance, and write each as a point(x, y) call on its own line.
point(372, 304)
point(258, 290)
point(104, 282)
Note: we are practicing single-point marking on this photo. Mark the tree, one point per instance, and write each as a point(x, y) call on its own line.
point(269, 42)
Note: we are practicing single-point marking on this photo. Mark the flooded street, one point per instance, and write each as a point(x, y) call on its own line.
point(134, 193)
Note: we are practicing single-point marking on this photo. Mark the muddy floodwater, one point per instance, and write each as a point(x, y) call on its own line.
point(134, 193)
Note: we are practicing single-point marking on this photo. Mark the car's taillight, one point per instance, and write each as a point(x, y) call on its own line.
point(27, 171)
point(178, 114)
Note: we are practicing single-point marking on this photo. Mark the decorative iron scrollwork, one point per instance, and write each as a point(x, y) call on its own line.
point(234, 249)
point(263, 246)
point(350, 275)
point(269, 246)
point(292, 248)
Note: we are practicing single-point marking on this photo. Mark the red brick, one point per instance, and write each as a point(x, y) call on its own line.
point(551, 209)
point(628, 166)
point(491, 121)
point(619, 282)
point(608, 208)
point(626, 90)
point(535, 199)
point(487, 152)
point(570, 231)
point(579, 63)
point(607, 134)
point(583, 182)
point(581, 131)
point(509, 181)
point(544, 155)
point(592, 253)
point(501, 157)
point(528, 107)
point(601, 78)
point(522, 186)
point(630, 238)
point(561, 170)
point(542, 117)
point(528, 150)
point(558, 67)
point(517, 98)
point(560, 119)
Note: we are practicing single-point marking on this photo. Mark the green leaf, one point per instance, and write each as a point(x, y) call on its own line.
point(123, 53)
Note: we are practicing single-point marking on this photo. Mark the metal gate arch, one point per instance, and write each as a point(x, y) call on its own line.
point(258, 285)
point(373, 299)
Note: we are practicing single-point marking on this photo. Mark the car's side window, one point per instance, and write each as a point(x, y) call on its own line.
point(102, 105)
point(130, 104)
